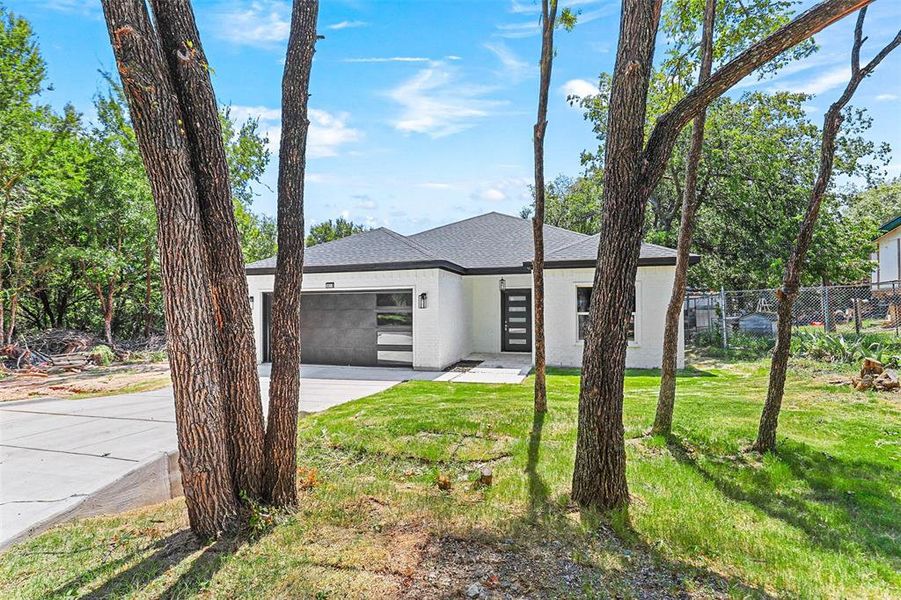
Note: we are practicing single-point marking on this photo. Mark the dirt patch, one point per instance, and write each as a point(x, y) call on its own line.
point(463, 567)
point(89, 381)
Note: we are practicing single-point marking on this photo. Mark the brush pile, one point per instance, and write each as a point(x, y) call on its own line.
point(48, 351)
point(874, 376)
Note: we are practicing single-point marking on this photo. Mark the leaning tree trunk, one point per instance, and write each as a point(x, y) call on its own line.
point(786, 296)
point(238, 370)
point(188, 303)
point(549, 18)
point(632, 171)
point(284, 387)
point(663, 420)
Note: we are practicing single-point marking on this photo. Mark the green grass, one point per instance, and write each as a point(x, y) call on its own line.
point(819, 519)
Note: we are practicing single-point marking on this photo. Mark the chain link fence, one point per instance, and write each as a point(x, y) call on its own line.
point(731, 318)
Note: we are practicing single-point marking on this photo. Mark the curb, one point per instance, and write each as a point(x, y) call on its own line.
point(153, 481)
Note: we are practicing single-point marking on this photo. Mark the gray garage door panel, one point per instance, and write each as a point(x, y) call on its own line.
point(343, 328)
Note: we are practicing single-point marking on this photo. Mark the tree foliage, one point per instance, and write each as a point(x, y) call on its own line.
point(77, 222)
point(327, 231)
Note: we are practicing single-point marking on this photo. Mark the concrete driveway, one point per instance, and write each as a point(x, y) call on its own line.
point(56, 455)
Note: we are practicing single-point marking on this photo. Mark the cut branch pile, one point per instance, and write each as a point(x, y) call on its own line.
point(873, 376)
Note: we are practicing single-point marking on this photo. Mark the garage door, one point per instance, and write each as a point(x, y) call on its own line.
point(352, 328)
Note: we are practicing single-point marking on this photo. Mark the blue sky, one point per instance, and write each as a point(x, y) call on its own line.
point(422, 111)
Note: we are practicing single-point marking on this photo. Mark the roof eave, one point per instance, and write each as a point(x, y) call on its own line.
point(355, 268)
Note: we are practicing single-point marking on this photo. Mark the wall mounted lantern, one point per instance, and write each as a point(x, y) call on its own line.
point(502, 285)
point(423, 300)
point(251, 301)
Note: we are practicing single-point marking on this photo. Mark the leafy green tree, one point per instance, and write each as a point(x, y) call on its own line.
point(327, 231)
point(247, 154)
point(571, 203)
point(877, 205)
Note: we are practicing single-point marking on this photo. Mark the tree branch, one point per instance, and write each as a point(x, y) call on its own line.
point(668, 126)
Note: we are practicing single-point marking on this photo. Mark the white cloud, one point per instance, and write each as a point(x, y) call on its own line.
point(513, 67)
point(347, 25)
point(511, 189)
point(435, 102)
point(85, 7)
point(327, 134)
point(365, 202)
point(887, 97)
point(387, 59)
point(261, 23)
point(518, 30)
point(578, 87)
point(435, 185)
point(823, 81)
point(492, 195)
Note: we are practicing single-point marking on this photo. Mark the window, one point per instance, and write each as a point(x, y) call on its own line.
point(394, 310)
point(583, 305)
point(394, 319)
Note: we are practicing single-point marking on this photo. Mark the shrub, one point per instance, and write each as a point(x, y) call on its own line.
point(837, 348)
point(102, 355)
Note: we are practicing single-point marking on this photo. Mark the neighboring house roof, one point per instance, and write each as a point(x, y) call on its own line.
point(889, 225)
point(486, 244)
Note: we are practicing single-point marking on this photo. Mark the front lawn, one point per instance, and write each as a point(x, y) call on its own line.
point(820, 519)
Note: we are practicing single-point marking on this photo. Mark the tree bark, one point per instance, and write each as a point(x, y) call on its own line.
point(632, 170)
point(599, 476)
point(788, 293)
point(238, 370)
point(17, 266)
point(663, 420)
point(284, 388)
point(549, 18)
point(188, 302)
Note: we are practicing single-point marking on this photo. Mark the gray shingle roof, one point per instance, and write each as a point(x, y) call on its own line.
point(492, 242)
point(587, 249)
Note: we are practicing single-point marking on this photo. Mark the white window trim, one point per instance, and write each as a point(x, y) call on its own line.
point(633, 343)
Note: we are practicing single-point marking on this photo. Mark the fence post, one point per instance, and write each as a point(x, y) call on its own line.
point(723, 315)
point(824, 305)
point(893, 308)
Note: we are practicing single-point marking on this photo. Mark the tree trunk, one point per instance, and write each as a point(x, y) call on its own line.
point(631, 174)
point(786, 296)
point(549, 18)
point(284, 387)
point(16, 284)
point(663, 420)
point(238, 370)
point(599, 476)
point(192, 342)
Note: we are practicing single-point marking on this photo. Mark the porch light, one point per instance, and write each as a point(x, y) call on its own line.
point(502, 284)
point(423, 300)
point(251, 301)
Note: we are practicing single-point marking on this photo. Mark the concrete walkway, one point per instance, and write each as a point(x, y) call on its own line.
point(56, 455)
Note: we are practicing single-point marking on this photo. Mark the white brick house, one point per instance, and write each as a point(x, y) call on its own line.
point(431, 299)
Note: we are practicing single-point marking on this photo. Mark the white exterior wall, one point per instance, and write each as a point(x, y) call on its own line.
point(653, 287)
point(464, 312)
point(454, 317)
point(886, 257)
point(485, 307)
point(426, 322)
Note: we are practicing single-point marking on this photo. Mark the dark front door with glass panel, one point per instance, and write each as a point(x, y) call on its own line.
point(516, 321)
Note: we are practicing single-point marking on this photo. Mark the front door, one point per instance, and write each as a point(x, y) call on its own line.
point(516, 320)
